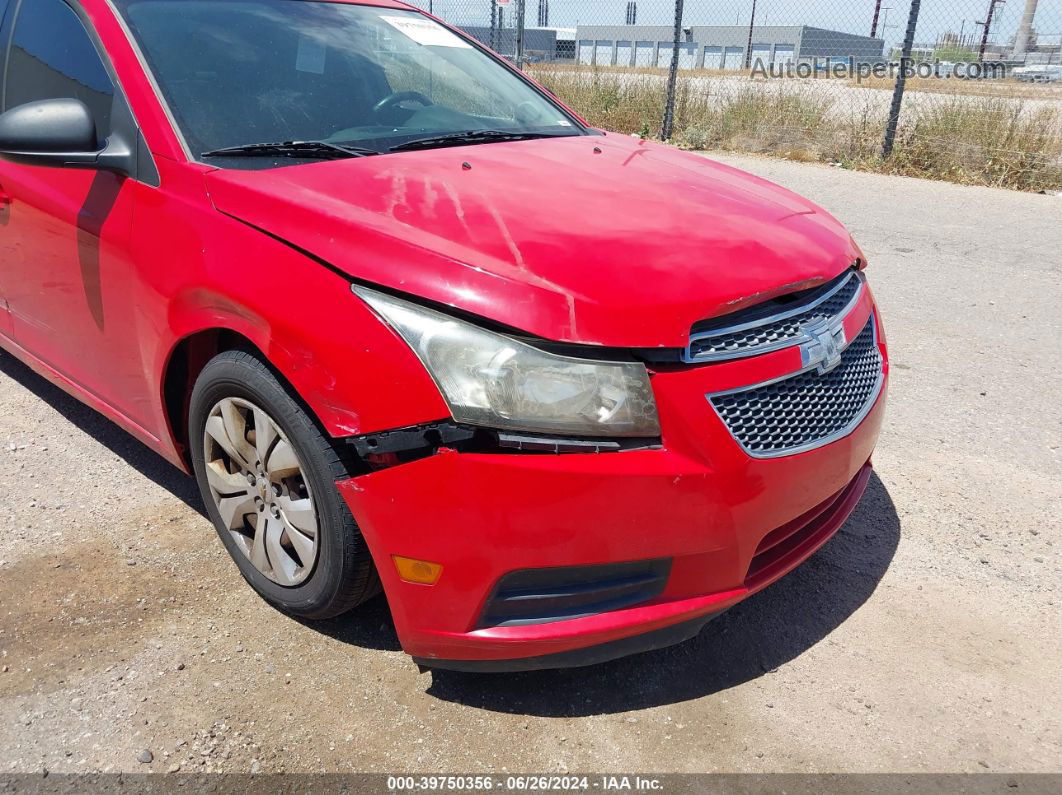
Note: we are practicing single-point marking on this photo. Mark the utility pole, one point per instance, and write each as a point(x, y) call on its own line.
point(874, 24)
point(988, 27)
point(748, 51)
point(1023, 39)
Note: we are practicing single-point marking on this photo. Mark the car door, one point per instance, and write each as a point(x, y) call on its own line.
point(64, 239)
point(5, 200)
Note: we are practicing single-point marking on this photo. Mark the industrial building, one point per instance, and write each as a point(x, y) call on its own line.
point(540, 44)
point(719, 47)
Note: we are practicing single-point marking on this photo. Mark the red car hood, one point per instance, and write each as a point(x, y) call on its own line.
point(594, 239)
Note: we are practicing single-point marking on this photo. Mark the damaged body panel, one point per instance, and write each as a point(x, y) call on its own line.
point(659, 237)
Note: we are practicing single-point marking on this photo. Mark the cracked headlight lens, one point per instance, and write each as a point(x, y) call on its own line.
point(493, 380)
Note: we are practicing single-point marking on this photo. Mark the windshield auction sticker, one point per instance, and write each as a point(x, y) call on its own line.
point(426, 32)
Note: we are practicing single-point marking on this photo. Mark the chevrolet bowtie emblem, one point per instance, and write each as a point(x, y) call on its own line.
point(823, 351)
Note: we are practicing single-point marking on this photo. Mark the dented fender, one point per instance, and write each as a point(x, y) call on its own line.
point(209, 272)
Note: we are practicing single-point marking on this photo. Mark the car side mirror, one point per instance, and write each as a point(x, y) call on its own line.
point(59, 133)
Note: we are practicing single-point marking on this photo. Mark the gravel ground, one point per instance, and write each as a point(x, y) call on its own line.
point(925, 637)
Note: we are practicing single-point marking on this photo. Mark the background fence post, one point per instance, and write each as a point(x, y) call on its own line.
point(672, 76)
point(493, 25)
point(748, 48)
point(901, 81)
point(520, 12)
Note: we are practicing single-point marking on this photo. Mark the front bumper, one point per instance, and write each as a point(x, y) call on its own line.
point(700, 501)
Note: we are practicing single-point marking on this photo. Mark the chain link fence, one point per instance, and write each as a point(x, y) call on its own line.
point(966, 90)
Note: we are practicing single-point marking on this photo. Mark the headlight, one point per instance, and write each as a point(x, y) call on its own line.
point(493, 380)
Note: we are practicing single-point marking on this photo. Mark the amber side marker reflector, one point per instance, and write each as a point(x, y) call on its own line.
point(418, 571)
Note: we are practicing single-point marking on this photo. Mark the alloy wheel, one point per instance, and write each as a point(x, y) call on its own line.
point(260, 490)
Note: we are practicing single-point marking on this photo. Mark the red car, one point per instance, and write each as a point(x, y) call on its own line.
point(563, 394)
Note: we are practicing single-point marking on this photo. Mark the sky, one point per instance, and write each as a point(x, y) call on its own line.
point(851, 16)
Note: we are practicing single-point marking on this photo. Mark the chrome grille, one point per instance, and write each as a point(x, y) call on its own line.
point(809, 409)
point(774, 325)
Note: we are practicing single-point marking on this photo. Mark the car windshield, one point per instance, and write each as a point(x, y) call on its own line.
point(241, 72)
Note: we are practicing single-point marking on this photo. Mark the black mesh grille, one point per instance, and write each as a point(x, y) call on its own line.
point(808, 408)
point(772, 331)
point(538, 596)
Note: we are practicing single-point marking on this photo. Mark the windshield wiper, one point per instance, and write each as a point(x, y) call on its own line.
point(474, 137)
point(298, 149)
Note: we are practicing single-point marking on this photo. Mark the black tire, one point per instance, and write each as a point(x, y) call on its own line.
point(344, 575)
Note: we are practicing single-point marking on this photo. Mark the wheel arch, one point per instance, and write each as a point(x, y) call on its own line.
point(185, 362)
point(350, 372)
point(191, 353)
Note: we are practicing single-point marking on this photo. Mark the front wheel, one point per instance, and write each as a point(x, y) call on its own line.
point(267, 475)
